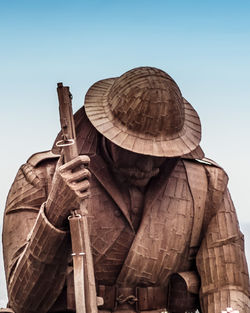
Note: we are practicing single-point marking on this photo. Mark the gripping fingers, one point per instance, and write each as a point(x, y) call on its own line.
point(78, 176)
point(78, 182)
point(75, 171)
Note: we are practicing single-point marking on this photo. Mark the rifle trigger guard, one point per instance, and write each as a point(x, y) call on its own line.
point(65, 143)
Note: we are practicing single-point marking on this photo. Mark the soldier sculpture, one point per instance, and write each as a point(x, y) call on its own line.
point(163, 230)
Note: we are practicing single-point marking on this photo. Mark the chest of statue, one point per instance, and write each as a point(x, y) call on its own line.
point(158, 247)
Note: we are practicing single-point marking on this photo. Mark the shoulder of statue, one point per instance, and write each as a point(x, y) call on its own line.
point(217, 177)
point(38, 157)
point(31, 182)
point(208, 181)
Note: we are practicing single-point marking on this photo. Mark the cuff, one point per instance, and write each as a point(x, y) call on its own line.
point(223, 299)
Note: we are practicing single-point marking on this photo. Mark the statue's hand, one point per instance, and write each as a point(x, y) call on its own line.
point(70, 186)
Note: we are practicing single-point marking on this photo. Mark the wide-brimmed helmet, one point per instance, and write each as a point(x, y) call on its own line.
point(143, 111)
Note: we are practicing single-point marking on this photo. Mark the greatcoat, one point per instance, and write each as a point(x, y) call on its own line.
point(188, 232)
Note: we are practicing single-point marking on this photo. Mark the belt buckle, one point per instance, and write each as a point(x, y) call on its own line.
point(126, 297)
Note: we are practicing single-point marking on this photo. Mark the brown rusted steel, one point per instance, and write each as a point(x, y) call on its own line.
point(163, 230)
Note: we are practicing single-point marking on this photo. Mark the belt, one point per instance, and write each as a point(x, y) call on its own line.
point(137, 299)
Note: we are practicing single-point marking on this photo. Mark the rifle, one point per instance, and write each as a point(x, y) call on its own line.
point(84, 280)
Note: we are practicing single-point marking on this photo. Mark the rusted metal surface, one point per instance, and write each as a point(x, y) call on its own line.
point(164, 232)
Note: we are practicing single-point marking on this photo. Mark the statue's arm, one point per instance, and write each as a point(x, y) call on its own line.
point(221, 262)
point(35, 252)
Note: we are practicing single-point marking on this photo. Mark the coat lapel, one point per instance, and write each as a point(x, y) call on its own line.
point(101, 171)
point(158, 183)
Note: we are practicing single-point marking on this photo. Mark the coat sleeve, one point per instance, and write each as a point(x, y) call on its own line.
point(221, 260)
point(35, 252)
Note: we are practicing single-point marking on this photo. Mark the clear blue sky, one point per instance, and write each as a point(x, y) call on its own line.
point(203, 45)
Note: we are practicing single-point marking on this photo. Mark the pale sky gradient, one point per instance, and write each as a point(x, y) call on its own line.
point(204, 46)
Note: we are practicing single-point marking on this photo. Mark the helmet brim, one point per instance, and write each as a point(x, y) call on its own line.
point(98, 111)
